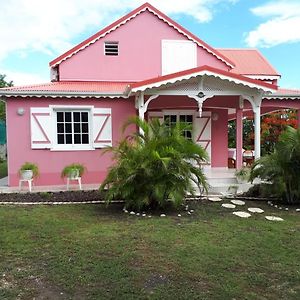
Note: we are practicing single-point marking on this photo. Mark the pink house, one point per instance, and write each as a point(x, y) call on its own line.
point(143, 64)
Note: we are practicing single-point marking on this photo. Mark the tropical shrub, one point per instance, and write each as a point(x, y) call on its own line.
point(281, 169)
point(154, 168)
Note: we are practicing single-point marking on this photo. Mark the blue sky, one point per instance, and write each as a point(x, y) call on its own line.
point(38, 31)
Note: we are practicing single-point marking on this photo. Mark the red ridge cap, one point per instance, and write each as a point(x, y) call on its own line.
point(199, 69)
point(135, 11)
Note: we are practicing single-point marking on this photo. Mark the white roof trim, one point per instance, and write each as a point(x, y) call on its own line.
point(133, 16)
point(263, 77)
point(202, 73)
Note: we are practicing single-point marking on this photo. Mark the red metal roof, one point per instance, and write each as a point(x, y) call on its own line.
point(287, 91)
point(74, 86)
point(249, 62)
point(199, 70)
point(131, 15)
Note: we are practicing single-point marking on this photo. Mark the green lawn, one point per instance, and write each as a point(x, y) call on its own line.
point(94, 252)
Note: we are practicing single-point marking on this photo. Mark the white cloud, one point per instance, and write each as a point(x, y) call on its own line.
point(282, 24)
point(23, 78)
point(50, 26)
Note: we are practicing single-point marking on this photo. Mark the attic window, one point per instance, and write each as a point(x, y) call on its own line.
point(111, 48)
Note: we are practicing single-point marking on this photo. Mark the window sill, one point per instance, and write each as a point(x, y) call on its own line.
point(72, 149)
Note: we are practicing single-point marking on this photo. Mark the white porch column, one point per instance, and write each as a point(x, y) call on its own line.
point(139, 105)
point(256, 111)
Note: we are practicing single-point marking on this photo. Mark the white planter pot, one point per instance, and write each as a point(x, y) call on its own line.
point(26, 174)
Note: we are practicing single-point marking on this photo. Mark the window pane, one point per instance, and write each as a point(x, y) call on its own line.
point(60, 128)
point(85, 139)
point(76, 117)
point(173, 118)
point(60, 116)
point(60, 139)
point(77, 128)
point(68, 138)
point(84, 117)
point(77, 139)
point(188, 134)
point(68, 117)
point(85, 128)
point(68, 128)
point(189, 118)
point(182, 118)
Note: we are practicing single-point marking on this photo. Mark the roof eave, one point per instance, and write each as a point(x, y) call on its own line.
point(60, 94)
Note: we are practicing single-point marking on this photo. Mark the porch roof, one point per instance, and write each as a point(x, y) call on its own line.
point(198, 72)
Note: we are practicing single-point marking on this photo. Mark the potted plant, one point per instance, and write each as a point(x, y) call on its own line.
point(73, 171)
point(243, 175)
point(28, 171)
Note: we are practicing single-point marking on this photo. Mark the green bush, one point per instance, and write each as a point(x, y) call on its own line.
point(282, 167)
point(154, 168)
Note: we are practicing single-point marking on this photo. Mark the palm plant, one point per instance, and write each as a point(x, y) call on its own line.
point(154, 167)
point(282, 167)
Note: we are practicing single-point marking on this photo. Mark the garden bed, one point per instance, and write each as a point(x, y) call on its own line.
point(65, 196)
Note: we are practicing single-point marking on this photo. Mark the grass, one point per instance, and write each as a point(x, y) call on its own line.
point(94, 252)
point(3, 169)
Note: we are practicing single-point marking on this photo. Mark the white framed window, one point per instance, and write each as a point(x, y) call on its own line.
point(67, 128)
point(111, 48)
point(185, 118)
point(73, 128)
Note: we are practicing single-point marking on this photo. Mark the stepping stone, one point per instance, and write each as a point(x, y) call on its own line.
point(272, 218)
point(298, 209)
point(214, 199)
point(238, 202)
point(256, 210)
point(143, 215)
point(228, 205)
point(242, 214)
point(179, 215)
point(162, 215)
point(132, 213)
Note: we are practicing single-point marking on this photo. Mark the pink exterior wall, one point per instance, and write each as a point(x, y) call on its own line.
point(52, 162)
point(219, 141)
point(139, 53)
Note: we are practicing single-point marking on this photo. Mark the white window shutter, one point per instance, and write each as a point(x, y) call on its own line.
point(41, 127)
point(202, 131)
point(178, 55)
point(102, 127)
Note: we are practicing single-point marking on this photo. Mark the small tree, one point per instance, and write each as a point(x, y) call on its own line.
point(281, 168)
point(154, 168)
point(3, 83)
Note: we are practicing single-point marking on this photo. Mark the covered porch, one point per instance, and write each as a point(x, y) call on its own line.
point(205, 97)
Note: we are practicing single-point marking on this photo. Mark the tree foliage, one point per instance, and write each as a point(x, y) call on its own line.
point(281, 168)
point(155, 168)
point(272, 125)
point(3, 83)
